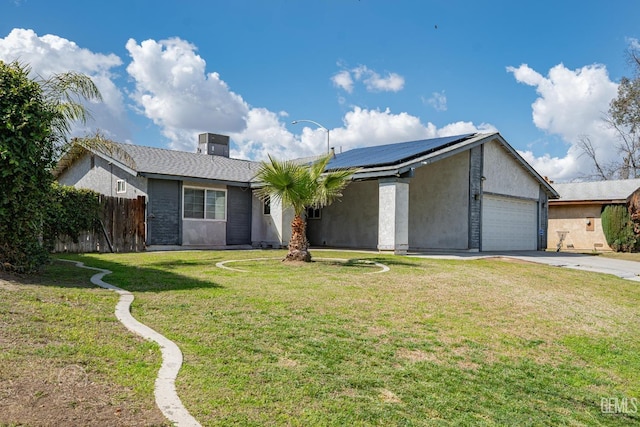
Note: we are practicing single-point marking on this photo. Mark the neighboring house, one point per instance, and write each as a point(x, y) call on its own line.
point(574, 218)
point(467, 192)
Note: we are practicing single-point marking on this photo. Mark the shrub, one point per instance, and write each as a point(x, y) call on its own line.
point(35, 118)
point(26, 158)
point(618, 228)
point(70, 211)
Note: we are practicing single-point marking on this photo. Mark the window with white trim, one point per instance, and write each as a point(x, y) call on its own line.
point(201, 203)
point(121, 186)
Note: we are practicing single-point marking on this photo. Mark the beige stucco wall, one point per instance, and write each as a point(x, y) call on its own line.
point(572, 219)
point(439, 204)
point(503, 175)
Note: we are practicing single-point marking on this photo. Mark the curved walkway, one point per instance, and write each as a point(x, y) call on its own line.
point(223, 264)
point(167, 398)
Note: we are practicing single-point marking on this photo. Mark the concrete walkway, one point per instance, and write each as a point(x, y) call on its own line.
point(165, 390)
point(629, 270)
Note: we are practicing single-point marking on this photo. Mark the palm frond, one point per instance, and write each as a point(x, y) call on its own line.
point(330, 186)
point(301, 186)
point(64, 94)
point(284, 181)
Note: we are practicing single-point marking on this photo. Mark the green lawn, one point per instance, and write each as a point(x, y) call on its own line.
point(431, 342)
point(633, 256)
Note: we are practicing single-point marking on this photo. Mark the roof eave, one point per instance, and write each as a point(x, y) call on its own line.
point(401, 168)
point(467, 144)
point(551, 192)
point(167, 177)
point(586, 202)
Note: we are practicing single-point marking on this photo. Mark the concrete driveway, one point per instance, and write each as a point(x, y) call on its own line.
point(629, 270)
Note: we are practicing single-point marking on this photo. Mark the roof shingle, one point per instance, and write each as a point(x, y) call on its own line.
point(160, 161)
point(597, 190)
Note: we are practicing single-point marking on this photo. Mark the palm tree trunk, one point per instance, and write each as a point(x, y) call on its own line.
point(298, 245)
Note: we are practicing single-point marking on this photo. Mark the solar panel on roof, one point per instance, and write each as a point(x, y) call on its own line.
point(389, 154)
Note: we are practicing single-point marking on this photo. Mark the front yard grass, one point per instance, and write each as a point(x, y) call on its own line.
point(431, 342)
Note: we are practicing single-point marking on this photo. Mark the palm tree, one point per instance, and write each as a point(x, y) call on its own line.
point(299, 187)
point(63, 93)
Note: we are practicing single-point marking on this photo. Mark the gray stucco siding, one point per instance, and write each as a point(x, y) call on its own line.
point(351, 222)
point(164, 210)
point(506, 176)
point(439, 204)
point(102, 177)
point(238, 216)
point(475, 196)
point(543, 220)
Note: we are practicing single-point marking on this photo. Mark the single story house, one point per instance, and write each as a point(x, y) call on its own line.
point(470, 192)
point(574, 218)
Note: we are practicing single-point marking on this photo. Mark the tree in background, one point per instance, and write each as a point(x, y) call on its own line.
point(300, 187)
point(36, 116)
point(624, 117)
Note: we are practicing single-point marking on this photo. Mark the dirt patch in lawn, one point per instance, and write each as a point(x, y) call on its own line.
point(40, 388)
point(45, 395)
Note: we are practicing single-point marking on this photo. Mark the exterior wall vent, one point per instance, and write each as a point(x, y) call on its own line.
point(213, 144)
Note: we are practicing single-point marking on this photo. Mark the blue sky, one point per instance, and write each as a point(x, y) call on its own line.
point(372, 71)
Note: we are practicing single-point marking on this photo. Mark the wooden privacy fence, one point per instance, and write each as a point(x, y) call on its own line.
point(121, 229)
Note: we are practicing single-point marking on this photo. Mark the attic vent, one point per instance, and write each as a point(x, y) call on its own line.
point(213, 144)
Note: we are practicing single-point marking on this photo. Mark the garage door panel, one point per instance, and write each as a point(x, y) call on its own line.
point(509, 223)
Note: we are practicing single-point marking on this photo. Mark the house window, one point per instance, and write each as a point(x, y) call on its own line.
point(313, 213)
point(121, 186)
point(200, 203)
point(266, 206)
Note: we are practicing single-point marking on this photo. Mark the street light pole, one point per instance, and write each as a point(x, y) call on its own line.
point(317, 124)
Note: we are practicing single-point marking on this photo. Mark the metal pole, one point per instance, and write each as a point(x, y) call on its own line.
point(328, 149)
point(317, 124)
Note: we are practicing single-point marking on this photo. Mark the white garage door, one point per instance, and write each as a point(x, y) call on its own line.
point(509, 224)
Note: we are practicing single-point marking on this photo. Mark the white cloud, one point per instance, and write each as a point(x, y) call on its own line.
point(391, 83)
point(265, 134)
point(438, 101)
point(633, 43)
point(570, 104)
point(372, 80)
point(556, 168)
point(174, 90)
point(49, 54)
point(343, 80)
point(366, 127)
